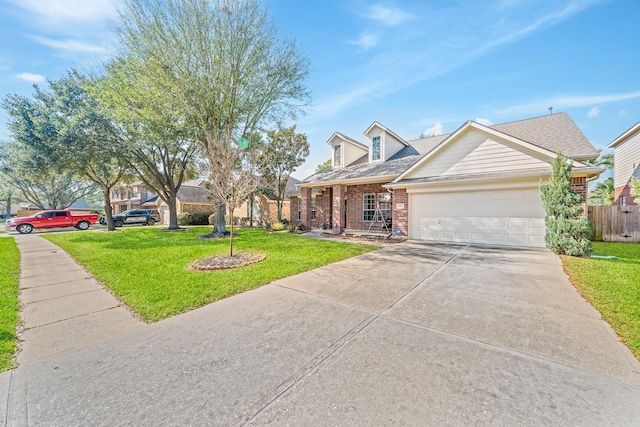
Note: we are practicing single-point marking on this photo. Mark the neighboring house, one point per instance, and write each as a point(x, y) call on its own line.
point(265, 206)
point(129, 196)
point(193, 196)
point(79, 207)
point(479, 184)
point(626, 163)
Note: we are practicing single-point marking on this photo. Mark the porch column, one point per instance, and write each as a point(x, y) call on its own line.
point(305, 209)
point(338, 209)
point(400, 212)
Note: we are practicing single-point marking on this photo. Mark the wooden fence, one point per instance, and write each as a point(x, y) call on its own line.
point(615, 223)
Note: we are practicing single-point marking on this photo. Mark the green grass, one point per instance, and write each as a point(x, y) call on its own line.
point(148, 269)
point(612, 286)
point(9, 276)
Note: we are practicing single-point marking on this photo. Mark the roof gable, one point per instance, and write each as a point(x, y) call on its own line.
point(377, 125)
point(625, 136)
point(481, 147)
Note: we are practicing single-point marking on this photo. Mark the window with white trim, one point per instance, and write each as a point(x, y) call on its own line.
point(368, 206)
point(384, 206)
point(299, 208)
point(375, 148)
point(337, 155)
point(623, 200)
point(313, 207)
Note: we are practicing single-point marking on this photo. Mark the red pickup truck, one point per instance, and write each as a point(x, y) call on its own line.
point(50, 219)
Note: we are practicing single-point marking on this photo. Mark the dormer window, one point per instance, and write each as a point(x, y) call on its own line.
point(337, 155)
point(375, 148)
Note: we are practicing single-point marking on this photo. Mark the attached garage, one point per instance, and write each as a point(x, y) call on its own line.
point(504, 217)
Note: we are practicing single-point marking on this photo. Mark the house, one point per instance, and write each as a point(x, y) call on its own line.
point(626, 163)
point(479, 184)
point(193, 196)
point(129, 196)
point(265, 206)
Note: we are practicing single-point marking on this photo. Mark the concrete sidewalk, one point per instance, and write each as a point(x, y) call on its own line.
point(412, 334)
point(63, 306)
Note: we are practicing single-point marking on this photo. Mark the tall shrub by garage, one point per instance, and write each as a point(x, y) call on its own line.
point(567, 233)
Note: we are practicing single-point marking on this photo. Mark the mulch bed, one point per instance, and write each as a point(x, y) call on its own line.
point(225, 262)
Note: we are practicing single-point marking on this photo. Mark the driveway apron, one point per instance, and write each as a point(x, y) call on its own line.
point(412, 334)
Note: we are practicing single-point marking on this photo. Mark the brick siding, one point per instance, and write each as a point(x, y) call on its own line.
point(337, 211)
point(400, 216)
point(626, 192)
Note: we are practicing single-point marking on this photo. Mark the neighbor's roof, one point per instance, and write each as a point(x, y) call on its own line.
point(625, 135)
point(553, 132)
point(194, 194)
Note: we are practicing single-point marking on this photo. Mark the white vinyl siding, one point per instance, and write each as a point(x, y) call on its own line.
point(512, 217)
point(624, 157)
point(352, 152)
point(391, 146)
point(474, 152)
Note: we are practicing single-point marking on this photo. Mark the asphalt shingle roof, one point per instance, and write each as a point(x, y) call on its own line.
point(553, 132)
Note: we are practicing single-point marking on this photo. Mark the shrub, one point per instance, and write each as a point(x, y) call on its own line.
point(292, 228)
point(566, 232)
point(300, 227)
point(285, 221)
point(278, 226)
point(236, 220)
point(193, 218)
point(212, 219)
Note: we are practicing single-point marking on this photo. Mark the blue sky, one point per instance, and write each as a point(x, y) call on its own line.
point(410, 65)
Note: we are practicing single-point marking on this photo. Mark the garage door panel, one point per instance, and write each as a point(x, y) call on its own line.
point(509, 217)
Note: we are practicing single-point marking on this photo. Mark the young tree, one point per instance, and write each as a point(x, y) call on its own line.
point(566, 232)
point(282, 153)
point(221, 64)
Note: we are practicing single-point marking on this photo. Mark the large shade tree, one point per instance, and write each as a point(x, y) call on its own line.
point(31, 161)
point(158, 144)
point(221, 64)
point(79, 139)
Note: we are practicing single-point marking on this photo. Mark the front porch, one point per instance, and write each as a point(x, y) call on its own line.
point(358, 209)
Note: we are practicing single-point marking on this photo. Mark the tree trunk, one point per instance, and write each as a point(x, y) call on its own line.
point(279, 204)
point(231, 234)
point(108, 210)
point(252, 200)
point(8, 212)
point(219, 226)
point(173, 213)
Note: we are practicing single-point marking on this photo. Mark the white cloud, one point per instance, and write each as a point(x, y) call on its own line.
point(68, 10)
point(434, 130)
point(391, 16)
point(623, 113)
point(541, 106)
point(483, 121)
point(366, 40)
point(593, 112)
point(69, 45)
point(30, 77)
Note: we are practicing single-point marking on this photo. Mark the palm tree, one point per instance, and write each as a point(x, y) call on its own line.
point(603, 194)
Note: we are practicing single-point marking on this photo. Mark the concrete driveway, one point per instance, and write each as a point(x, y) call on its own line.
point(412, 334)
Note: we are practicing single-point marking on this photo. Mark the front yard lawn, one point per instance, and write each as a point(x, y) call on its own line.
point(148, 269)
point(9, 277)
point(612, 286)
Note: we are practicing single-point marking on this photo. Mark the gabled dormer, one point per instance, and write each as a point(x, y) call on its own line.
point(384, 143)
point(345, 150)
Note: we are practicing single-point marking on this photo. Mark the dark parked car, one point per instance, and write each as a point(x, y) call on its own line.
point(135, 216)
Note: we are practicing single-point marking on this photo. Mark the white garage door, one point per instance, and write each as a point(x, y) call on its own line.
point(504, 217)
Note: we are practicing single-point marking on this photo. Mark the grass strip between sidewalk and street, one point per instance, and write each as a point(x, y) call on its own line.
point(612, 286)
point(148, 269)
point(9, 285)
